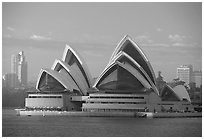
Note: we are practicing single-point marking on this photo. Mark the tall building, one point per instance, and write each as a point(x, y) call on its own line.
point(184, 73)
point(197, 78)
point(22, 69)
point(14, 67)
point(19, 67)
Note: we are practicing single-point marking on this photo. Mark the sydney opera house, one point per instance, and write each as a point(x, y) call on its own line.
point(127, 84)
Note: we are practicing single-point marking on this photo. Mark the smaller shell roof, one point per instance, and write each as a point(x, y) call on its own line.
point(54, 74)
point(60, 77)
point(178, 91)
point(181, 92)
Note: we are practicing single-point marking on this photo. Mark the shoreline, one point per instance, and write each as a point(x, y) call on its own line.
point(22, 112)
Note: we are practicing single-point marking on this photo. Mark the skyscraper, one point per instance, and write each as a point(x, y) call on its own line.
point(197, 78)
point(14, 67)
point(184, 73)
point(19, 67)
point(22, 68)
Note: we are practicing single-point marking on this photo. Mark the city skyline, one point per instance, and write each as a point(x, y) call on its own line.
point(169, 33)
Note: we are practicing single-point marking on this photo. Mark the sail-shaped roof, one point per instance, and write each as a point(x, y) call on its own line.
point(54, 81)
point(168, 94)
point(132, 49)
point(123, 57)
point(121, 76)
point(73, 72)
point(70, 56)
point(127, 68)
point(178, 93)
point(182, 93)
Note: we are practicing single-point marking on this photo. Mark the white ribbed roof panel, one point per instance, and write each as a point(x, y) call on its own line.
point(146, 64)
point(67, 57)
point(135, 73)
point(62, 78)
point(181, 92)
point(128, 68)
point(121, 55)
point(75, 73)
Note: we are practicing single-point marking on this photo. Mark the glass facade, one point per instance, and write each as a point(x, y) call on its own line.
point(45, 96)
point(118, 78)
point(48, 83)
point(58, 67)
point(116, 103)
point(125, 59)
point(115, 110)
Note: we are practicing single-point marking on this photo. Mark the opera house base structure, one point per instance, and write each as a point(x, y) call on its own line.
point(126, 87)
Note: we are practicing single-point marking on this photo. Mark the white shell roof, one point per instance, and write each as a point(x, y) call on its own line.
point(181, 92)
point(124, 54)
point(75, 74)
point(81, 61)
point(60, 77)
point(131, 70)
point(122, 45)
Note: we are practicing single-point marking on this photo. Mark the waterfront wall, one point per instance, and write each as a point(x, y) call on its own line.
point(110, 114)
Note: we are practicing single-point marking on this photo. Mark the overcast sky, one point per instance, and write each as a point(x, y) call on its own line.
point(170, 34)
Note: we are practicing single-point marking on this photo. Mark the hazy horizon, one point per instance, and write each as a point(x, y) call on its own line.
point(170, 34)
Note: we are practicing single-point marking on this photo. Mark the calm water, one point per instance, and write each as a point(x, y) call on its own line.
point(38, 126)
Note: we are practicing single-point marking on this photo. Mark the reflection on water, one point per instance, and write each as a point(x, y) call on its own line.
point(36, 126)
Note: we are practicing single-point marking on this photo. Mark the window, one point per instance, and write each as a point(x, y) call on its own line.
point(118, 78)
point(49, 83)
point(45, 96)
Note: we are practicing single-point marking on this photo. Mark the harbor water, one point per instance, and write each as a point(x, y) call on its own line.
point(62, 126)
